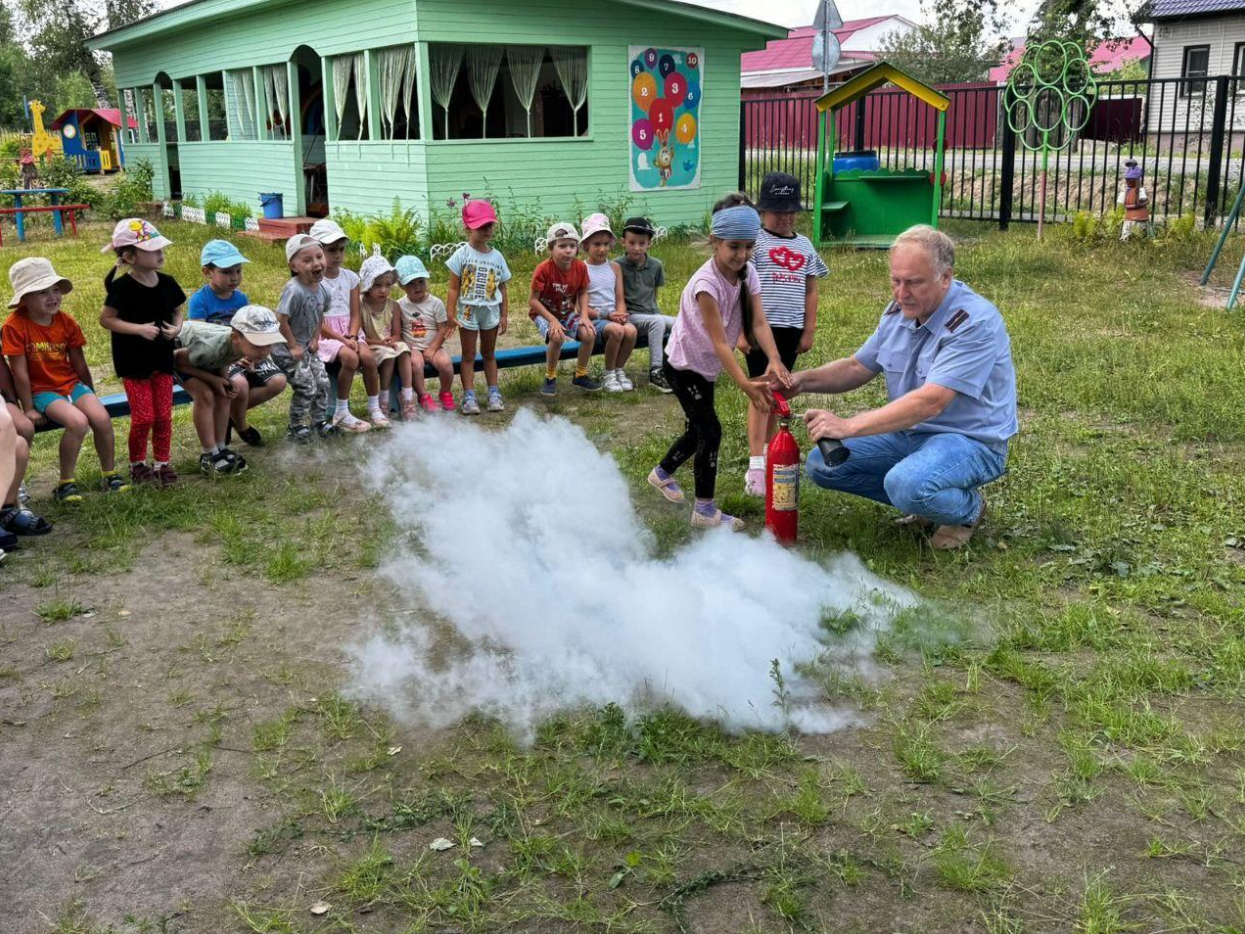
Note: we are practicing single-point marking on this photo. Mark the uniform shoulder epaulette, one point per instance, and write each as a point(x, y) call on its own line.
point(956, 320)
point(891, 308)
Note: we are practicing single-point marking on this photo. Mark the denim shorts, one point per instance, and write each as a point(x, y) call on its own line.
point(42, 400)
point(479, 317)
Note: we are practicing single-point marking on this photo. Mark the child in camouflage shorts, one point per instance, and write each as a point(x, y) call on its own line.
point(301, 312)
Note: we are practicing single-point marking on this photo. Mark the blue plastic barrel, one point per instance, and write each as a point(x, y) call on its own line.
point(273, 203)
point(866, 159)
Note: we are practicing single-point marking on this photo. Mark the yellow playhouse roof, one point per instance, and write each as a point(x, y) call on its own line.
point(880, 74)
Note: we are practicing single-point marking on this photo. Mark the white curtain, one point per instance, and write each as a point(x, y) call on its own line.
point(393, 66)
point(277, 97)
point(342, 66)
point(241, 93)
point(572, 65)
point(408, 93)
point(483, 63)
point(525, 62)
point(360, 90)
point(444, 60)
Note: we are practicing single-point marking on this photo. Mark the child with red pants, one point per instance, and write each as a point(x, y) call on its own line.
point(143, 310)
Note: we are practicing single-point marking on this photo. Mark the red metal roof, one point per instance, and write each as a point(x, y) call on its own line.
point(110, 114)
point(796, 51)
point(1107, 57)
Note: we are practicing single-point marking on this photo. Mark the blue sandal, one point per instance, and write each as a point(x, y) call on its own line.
point(21, 521)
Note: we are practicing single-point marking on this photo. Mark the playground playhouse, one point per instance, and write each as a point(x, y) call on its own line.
point(93, 138)
point(351, 105)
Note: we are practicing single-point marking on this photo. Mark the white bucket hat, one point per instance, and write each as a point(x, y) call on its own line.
point(34, 274)
point(595, 224)
point(327, 231)
point(373, 268)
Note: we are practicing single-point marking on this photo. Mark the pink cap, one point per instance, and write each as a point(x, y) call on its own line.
point(477, 214)
point(136, 232)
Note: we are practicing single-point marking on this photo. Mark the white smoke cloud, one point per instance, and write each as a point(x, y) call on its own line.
point(537, 568)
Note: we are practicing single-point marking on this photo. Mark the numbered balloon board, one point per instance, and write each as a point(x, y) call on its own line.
point(665, 90)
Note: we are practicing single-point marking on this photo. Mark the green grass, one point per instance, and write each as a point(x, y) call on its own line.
point(1052, 743)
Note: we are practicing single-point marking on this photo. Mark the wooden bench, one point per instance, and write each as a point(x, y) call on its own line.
point(73, 210)
point(119, 407)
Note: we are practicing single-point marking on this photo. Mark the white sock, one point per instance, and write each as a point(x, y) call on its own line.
point(343, 407)
point(158, 464)
point(373, 403)
point(408, 393)
point(756, 463)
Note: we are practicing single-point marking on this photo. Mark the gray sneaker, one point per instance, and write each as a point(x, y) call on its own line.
point(470, 406)
point(495, 404)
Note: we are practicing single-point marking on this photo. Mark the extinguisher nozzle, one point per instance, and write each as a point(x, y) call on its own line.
point(833, 452)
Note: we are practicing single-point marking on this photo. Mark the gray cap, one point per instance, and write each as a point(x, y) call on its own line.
point(258, 325)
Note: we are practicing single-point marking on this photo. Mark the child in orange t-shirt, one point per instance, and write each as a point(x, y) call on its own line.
point(44, 349)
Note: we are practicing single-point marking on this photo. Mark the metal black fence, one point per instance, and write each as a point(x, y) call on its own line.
point(1188, 136)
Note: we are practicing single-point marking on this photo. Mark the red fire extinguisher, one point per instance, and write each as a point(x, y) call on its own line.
point(782, 474)
point(782, 478)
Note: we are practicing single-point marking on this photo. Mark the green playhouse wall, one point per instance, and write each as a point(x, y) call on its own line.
point(539, 175)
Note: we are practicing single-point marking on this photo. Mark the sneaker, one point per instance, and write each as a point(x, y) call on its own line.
point(166, 476)
point(327, 430)
point(239, 462)
point(754, 481)
point(470, 406)
point(494, 402)
point(669, 488)
point(429, 404)
point(112, 483)
point(447, 401)
point(951, 537)
point(550, 387)
point(67, 492)
point(348, 423)
point(718, 520)
point(21, 521)
point(586, 383)
point(657, 379)
point(140, 473)
point(410, 411)
point(379, 419)
point(611, 383)
point(299, 434)
point(250, 434)
point(623, 381)
point(215, 464)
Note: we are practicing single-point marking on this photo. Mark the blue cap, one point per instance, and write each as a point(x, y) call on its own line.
point(222, 254)
point(410, 267)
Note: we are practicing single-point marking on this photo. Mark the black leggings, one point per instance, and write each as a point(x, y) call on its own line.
point(703, 435)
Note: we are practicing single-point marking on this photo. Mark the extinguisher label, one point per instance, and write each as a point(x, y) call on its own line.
point(786, 488)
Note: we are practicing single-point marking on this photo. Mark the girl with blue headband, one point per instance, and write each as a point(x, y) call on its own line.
point(721, 301)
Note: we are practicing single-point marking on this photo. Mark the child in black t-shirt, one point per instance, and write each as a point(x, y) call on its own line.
point(143, 310)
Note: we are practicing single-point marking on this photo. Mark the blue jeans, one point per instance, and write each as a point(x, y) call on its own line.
point(930, 475)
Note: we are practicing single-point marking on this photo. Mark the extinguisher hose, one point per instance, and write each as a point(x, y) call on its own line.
point(833, 451)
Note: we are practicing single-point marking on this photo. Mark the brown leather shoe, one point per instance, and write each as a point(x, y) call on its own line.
point(951, 537)
point(913, 521)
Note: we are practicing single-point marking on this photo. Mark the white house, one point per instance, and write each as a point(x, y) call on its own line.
point(1195, 40)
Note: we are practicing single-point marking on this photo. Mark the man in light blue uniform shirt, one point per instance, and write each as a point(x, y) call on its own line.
point(947, 360)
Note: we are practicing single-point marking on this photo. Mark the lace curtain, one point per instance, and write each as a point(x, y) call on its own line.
point(483, 63)
point(408, 93)
point(342, 67)
point(394, 66)
point(443, 64)
point(571, 63)
point(525, 62)
point(241, 106)
point(360, 91)
point(276, 98)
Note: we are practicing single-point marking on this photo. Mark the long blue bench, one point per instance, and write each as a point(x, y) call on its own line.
point(118, 405)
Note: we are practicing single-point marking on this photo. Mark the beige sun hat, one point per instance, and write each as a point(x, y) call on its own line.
point(258, 324)
point(595, 224)
point(34, 274)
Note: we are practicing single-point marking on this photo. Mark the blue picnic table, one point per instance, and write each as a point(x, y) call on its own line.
point(17, 194)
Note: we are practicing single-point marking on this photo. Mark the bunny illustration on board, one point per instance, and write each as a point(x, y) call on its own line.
point(665, 92)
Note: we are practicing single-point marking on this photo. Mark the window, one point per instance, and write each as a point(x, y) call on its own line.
point(275, 93)
point(217, 118)
point(350, 95)
point(395, 72)
point(129, 104)
point(510, 91)
point(240, 104)
point(1196, 64)
point(1238, 66)
point(188, 96)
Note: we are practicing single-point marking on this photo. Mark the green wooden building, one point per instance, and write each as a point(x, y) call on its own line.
point(349, 105)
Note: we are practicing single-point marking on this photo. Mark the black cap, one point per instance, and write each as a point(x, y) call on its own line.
point(639, 225)
point(779, 192)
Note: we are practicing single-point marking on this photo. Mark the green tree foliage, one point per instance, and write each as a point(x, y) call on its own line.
point(960, 41)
